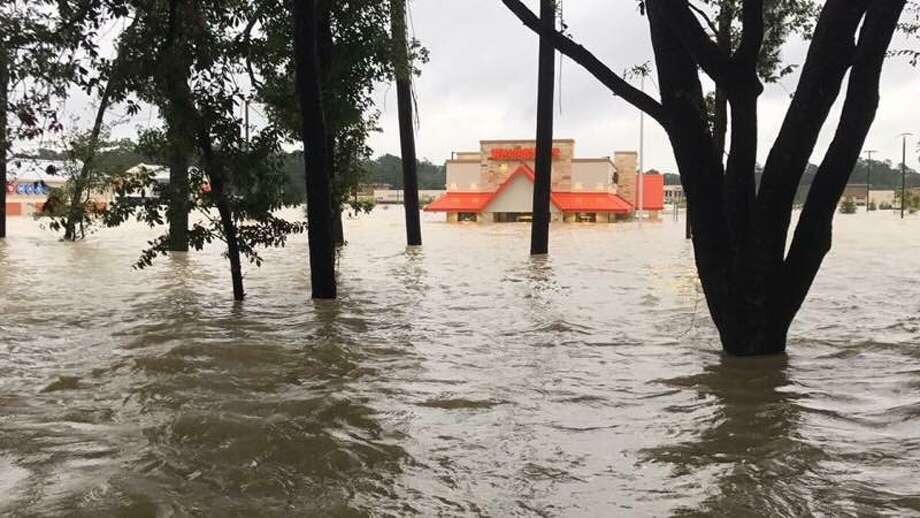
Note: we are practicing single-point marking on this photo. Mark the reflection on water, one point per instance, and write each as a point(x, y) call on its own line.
point(459, 379)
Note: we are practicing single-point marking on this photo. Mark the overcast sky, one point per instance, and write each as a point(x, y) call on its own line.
point(481, 84)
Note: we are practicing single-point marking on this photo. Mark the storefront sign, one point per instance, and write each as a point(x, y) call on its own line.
point(29, 189)
point(500, 154)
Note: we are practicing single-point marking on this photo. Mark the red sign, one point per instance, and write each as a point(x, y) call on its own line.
point(518, 153)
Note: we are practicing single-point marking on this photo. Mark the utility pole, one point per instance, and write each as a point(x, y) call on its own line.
point(641, 156)
point(869, 176)
point(406, 130)
point(539, 229)
point(904, 170)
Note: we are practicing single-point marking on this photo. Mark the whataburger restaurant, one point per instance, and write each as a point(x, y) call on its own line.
point(495, 184)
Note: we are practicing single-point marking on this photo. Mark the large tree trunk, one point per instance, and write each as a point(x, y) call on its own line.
point(177, 111)
point(4, 139)
point(319, 194)
point(539, 233)
point(178, 191)
point(406, 130)
point(326, 45)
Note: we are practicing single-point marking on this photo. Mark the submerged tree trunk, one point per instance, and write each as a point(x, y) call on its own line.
point(539, 230)
point(217, 176)
point(77, 209)
point(406, 130)
point(319, 193)
point(4, 138)
point(178, 113)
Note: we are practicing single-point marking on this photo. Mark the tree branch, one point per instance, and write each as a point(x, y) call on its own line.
point(812, 240)
point(589, 61)
point(829, 57)
point(706, 18)
point(705, 51)
point(752, 36)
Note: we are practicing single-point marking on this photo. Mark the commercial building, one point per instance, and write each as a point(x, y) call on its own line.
point(673, 194)
point(29, 182)
point(495, 184)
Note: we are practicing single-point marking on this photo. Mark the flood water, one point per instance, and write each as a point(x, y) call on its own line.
point(462, 379)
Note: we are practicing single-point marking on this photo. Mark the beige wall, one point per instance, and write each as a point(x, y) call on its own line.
point(517, 197)
point(592, 175)
point(463, 175)
point(626, 164)
point(494, 172)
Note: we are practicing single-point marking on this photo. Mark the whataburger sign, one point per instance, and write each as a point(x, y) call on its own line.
point(527, 153)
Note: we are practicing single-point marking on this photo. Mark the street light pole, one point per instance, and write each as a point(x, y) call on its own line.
point(869, 176)
point(904, 170)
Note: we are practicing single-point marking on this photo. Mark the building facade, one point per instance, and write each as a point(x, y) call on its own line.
point(30, 182)
point(495, 184)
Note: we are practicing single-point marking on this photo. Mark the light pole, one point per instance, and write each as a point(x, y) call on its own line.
point(904, 170)
point(869, 175)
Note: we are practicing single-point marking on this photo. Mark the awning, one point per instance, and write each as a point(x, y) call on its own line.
point(461, 202)
point(591, 202)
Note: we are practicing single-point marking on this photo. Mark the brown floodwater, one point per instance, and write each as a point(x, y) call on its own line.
point(460, 379)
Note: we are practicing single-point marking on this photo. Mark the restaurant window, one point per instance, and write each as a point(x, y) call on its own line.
point(466, 216)
point(586, 217)
point(513, 217)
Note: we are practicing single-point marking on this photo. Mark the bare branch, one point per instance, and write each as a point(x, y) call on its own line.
point(589, 61)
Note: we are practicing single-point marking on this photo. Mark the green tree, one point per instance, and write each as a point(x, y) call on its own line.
point(355, 52)
point(42, 44)
point(185, 58)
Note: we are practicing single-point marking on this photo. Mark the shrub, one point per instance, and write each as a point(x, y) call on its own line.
point(848, 206)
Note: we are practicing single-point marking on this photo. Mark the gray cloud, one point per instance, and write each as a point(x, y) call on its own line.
point(481, 84)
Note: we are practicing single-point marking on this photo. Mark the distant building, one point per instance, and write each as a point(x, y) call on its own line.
point(856, 191)
point(673, 194)
point(495, 184)
point(394, 196)
point(29, 182)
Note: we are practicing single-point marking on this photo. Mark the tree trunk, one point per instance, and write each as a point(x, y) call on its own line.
point(720, 110)
point(326, 45)
point(77, 209)
point(177, 111)
point(178, 193)
point(338, 228)
point(217, 177)
point(4, 144)
point(539, 233)
point(319, 194)
point(406, 130)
